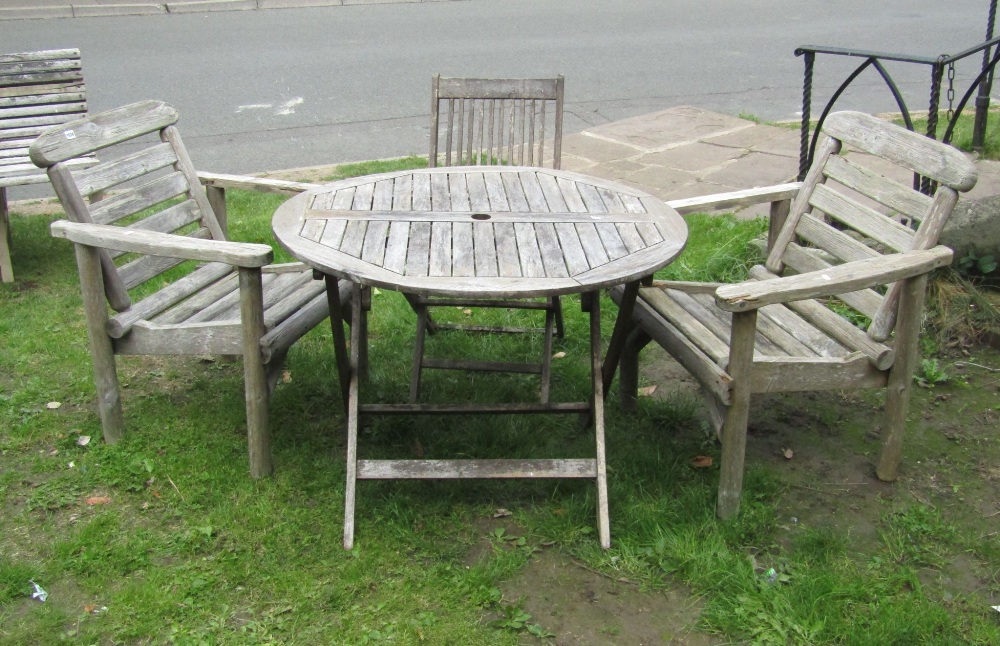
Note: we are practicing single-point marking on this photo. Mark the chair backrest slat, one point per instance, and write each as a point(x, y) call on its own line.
point(861, 218)
point(148, 195)
point(898, 198)
point(496, 121)
point(112, 173)
point(851, 208)
point(154, 188)
point(145, 268)
point(866, 301)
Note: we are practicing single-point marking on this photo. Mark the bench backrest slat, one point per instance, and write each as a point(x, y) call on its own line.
point(37, 91)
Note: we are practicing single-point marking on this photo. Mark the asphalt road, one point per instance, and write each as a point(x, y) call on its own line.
point(263, 90)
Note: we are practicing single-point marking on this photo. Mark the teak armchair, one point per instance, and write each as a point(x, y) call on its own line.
point(482, 122)
point(142, 213)
point(854, 240)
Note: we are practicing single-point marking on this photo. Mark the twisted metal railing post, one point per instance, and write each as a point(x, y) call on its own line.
point(983, 98)
point(810, 60)
point(937, 71)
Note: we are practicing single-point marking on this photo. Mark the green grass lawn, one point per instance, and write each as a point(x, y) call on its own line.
point(164, 538)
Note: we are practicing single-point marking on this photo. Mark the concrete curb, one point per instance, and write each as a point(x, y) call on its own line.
point(181, 7)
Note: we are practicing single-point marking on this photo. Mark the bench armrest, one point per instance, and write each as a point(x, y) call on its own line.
point(736, 199)
point(839, 279)
point(246, 182)
point(240, 254)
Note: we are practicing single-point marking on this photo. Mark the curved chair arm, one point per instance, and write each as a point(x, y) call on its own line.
point(839, 279)
point(240, 254)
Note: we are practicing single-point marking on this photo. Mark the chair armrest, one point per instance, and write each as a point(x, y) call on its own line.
point(840, 279)
point(246, 182)
point(240, 254)
point(736, 199)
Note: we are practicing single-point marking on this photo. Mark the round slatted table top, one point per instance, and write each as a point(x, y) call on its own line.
point(482, 231)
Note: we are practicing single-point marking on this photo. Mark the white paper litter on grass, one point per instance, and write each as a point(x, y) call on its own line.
point(39, 593)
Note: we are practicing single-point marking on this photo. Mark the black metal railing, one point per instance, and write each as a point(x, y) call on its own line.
point(938, 65)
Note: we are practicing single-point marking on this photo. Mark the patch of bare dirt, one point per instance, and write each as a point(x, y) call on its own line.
point(581, 606)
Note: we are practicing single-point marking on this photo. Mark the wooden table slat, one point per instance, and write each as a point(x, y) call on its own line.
point(591, 198)
point(508, 263)
point(613, 243)
point(632, 204)
point(459, 187)
point(402, 193)
point(533, 192)
point(312, 229)
point(612, 201)
point(421, 192)
point(630, 236)
point(528, 251)
point(553, 196)
point(485, 250)
point(373, 250)
point(463, 257)
point(573, 254)
point(571, 195)
point(552, 254)
point(479, 201)
point(334, 233)
point(354, 238)
point(395, 247)
point(418, 251)
point(382, 199)
point(440, 264)
point(363, 197)
point(440, 197)
point(516, 198)
point(495, 191)
point(592, 245)
point(649, 233)
point(344, 198)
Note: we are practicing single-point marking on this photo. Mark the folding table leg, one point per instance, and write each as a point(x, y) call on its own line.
point(597, 413)
point(358, 321)
point(337, 327)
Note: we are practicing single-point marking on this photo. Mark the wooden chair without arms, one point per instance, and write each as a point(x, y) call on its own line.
point(231, 302)
point(482, 122)
point(775, 333)
point(37, 90)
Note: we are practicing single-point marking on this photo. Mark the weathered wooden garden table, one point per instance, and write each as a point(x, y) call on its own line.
point(498, 232)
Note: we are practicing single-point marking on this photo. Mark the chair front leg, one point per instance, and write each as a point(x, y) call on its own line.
point(102, 353)
point(734, 429)
point(897, 394)
point(255, 373)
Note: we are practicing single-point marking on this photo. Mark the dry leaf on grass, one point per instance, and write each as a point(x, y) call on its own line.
point(98, 500)
point(83, 440)
point(701, 461)
point(502, 513)
point(647, 391)
point(53, 405)
point(559, 355)
point(788, 453)
point(286, 377)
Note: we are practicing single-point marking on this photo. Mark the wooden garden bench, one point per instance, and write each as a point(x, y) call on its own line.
point(142, 213)
point(37, 90)
point(858, 245)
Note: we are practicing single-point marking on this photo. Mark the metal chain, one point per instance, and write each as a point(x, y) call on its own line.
point(951, 91)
